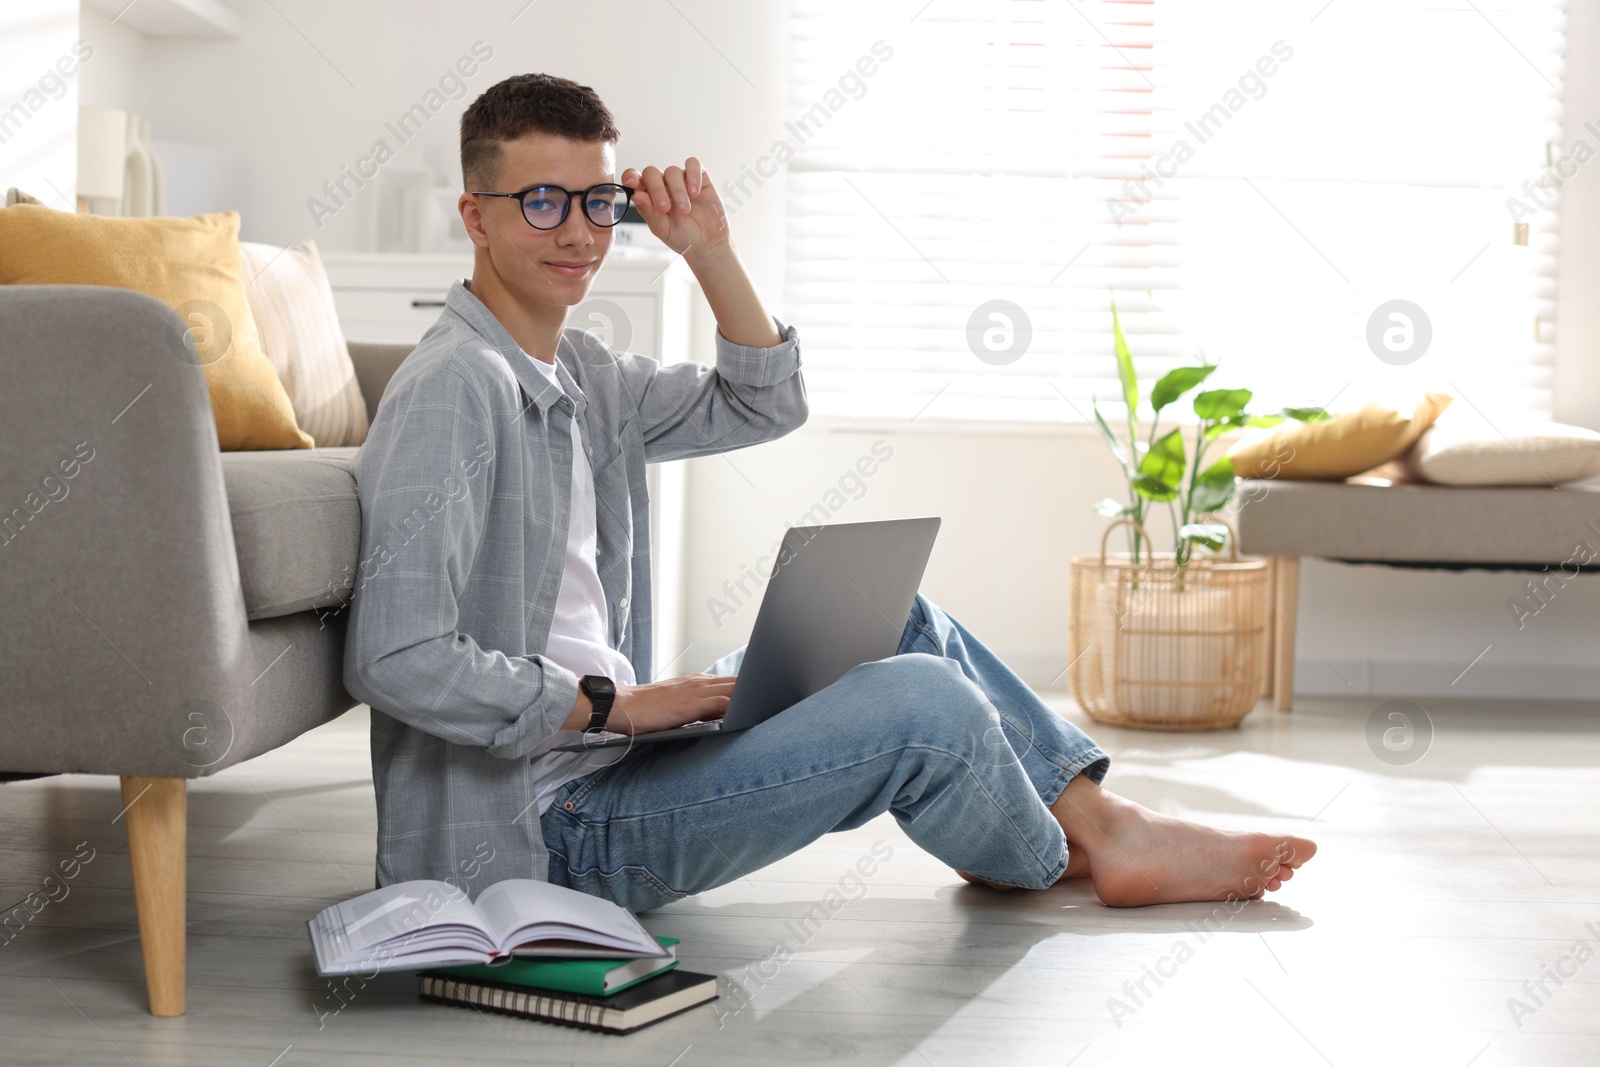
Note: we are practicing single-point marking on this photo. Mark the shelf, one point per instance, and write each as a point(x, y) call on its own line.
point(633, 267)
point(204, 19)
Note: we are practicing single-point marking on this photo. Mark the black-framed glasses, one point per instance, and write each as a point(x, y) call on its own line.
point(546, 206)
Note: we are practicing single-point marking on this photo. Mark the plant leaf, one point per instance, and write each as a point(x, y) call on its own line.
point(1153, 489)
point(1308, 414)
point(1213, 487)
point(1221, 403)
point(1213, 535)
point(1177, 382)
point(1110, 438)
point(1112, 509)
point(1162, 467)
point(1229, 423)
point(1130, 384)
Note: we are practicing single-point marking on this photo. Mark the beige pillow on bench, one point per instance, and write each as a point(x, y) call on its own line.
point(1466, 448)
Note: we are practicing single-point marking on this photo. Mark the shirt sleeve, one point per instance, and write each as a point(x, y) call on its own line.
point(690, 409)
point(425, 476)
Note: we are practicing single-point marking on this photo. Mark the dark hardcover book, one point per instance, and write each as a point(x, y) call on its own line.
point(638, 1006)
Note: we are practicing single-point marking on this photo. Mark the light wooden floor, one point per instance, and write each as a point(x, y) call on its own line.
point(1440, 888)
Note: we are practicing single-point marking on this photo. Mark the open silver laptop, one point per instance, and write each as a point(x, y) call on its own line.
point(839, 596)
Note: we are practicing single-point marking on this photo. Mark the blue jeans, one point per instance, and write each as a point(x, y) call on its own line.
point(942, 734)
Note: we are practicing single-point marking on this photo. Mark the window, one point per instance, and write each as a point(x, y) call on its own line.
point(1250, 184)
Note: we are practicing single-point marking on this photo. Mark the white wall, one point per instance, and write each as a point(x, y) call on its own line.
point(120, 70)
point(1015, 504)
point(309, 86)
point(307, 90)
point(40, 71)
point(1577, 310)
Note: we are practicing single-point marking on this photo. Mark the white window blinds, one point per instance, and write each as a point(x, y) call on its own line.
point(1249, 183)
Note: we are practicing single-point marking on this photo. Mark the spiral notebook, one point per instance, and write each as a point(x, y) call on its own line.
point(637, 1006)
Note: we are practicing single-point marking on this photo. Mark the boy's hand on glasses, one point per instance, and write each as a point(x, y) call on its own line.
point(681, 207)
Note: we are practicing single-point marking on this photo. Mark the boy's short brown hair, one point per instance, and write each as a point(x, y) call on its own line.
point(523, 104)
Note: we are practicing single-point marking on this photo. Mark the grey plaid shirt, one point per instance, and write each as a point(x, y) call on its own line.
point(465, 485)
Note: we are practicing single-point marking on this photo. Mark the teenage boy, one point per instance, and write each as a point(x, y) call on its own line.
point(503, 599)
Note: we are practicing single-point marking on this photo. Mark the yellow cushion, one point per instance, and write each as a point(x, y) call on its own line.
point(191, 264)
point(1338, 447)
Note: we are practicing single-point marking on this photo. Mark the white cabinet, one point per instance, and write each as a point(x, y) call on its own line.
point(639, 302)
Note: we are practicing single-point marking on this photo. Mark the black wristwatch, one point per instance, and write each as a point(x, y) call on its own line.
point(602, 693)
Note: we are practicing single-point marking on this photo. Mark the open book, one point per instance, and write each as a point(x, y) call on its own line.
point(426, 923)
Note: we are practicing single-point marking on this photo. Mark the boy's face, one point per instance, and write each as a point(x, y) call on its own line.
point(543, 266)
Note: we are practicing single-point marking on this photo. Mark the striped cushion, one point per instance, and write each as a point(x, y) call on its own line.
point(294, 312)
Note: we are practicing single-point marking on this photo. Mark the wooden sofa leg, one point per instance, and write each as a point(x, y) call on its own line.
point(157, 821)
point(1286, 602)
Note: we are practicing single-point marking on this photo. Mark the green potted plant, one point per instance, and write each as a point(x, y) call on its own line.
point(1176, 639)
point(1159, 470)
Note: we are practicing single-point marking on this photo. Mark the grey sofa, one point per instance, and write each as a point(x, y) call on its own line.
point(171, 610)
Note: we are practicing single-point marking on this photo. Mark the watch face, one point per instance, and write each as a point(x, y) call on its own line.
point(598, 684)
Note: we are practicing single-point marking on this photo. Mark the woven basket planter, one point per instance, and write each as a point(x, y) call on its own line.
point(1161, 647)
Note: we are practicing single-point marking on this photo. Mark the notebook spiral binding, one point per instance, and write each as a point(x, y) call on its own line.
point(548, 1008)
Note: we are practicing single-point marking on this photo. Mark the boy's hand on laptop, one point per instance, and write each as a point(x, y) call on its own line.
point(681, 206)
point(641, 709)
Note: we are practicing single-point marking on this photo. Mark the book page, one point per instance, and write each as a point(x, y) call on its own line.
point(546, 910)
point(401, 909)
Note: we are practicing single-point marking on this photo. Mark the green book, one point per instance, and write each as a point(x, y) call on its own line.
point(595, 977)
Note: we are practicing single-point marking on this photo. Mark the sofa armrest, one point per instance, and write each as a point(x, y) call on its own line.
point(376, 362)
point(117, 566)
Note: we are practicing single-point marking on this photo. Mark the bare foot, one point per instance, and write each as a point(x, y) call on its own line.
point(1137, 856)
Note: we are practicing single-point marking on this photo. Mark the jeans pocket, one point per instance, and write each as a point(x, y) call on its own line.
point(635, 888)
point(571, 795)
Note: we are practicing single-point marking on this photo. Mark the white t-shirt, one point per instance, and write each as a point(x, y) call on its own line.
point(578, 631)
